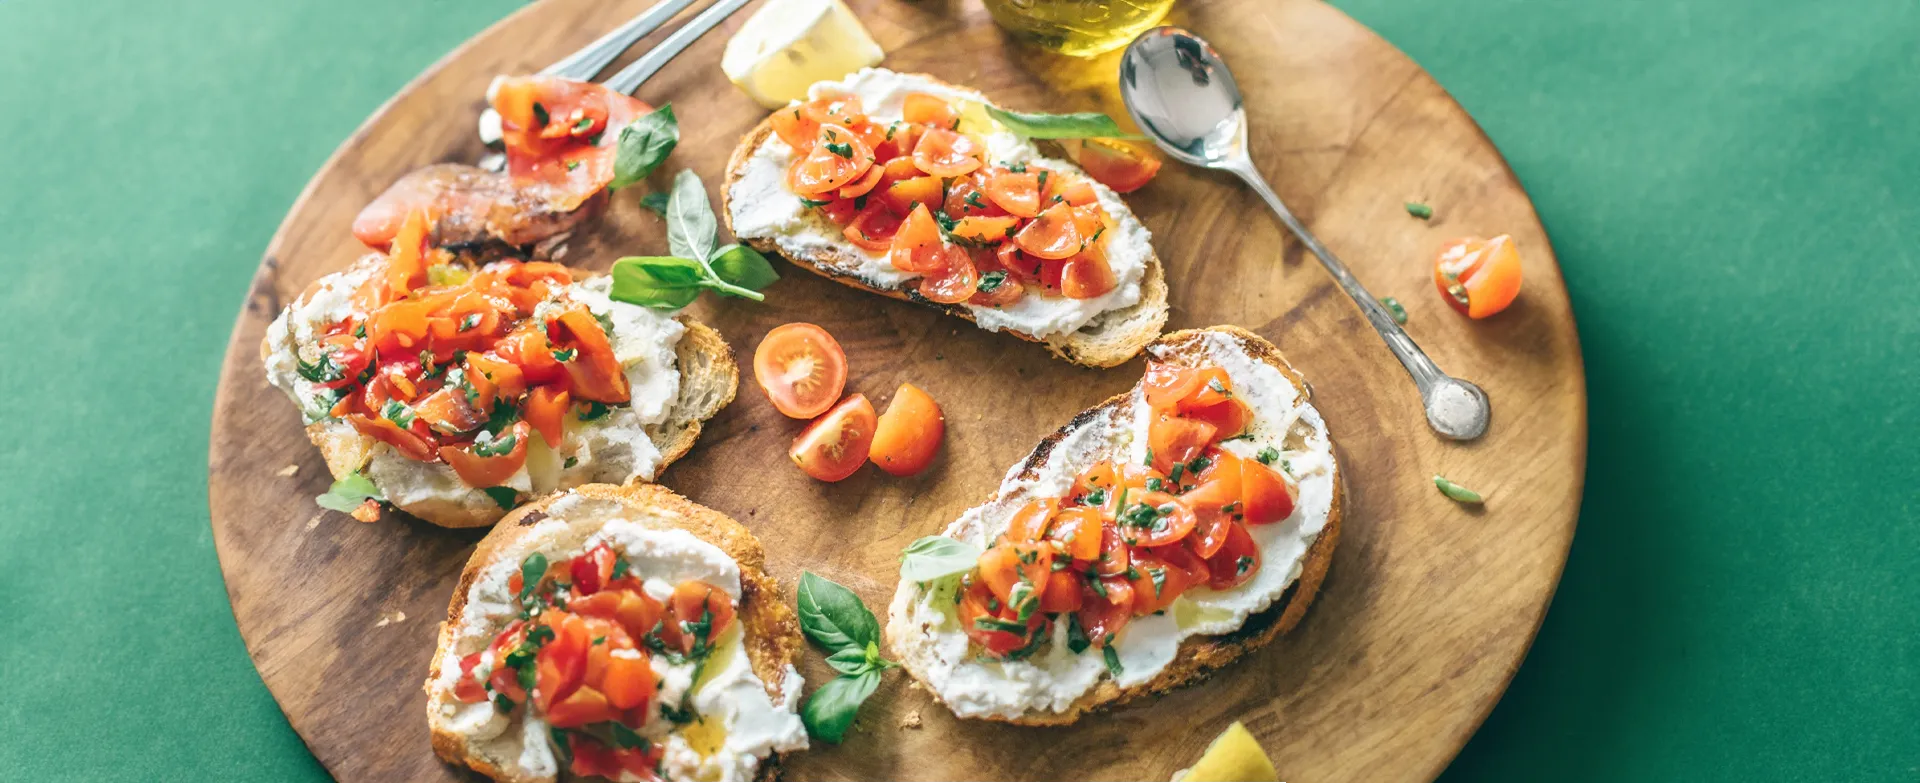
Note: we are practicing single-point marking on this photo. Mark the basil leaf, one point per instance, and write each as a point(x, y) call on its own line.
point(655, 201)
point(644, 144)
point(635, 282)
point(829, 712)
point(851, 660)
point(504, 497)
point(532, 570)
point(1113, 659)
point(744, 267)
point(833, 617)
point(624, 737)
point(691, 229)
point(348, 493)
point(1078, 125)
point(934, 557)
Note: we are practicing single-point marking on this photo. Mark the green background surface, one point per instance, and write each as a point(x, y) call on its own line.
point(1732, 191)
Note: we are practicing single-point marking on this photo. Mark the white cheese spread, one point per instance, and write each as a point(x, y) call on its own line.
point(764, 208)
point(742, 720)
point(925, 632)
point(614, 448)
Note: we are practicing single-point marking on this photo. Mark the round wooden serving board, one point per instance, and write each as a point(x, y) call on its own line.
point(1429, 606)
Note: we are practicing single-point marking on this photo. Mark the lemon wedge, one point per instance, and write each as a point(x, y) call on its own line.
point(788, 45)
point(1234, 755)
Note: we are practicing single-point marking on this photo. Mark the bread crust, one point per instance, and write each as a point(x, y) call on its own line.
point(771, 630)
point(1198, 656)
point(709, 378)
point(1122, 335)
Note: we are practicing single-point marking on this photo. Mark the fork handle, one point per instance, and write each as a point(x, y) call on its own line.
point(631, 77)
point(594, 57)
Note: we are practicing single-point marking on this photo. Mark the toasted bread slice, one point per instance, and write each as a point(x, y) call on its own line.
point(1197, 655)
point(1109, 340)
point(771, 631)
point(709, 378)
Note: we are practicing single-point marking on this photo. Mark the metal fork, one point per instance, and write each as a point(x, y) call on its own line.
point(594, 57)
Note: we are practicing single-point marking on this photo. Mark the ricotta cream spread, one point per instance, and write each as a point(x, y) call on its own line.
point(614, 448)
point(927, 636)
point(743, 720)
point(764, 208)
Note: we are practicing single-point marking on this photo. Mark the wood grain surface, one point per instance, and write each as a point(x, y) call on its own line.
point(1429, 607)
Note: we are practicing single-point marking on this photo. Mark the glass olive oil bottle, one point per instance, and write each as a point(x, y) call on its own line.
point(1078, 27)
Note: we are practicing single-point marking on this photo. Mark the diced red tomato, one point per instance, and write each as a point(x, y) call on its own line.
point(874, 228)
point(1268, 493)
point(1173, 440)
point(924, 109)
point(1087, 275)
point(490, 469)
point(1063, 593)
point(1173, 520)
point(838, 158)
point(629, 681)
point(1011, 563)
point(903, 195)
point(1016, 192)
point(947, 153)
point(1078, 531)
point(468, 689)
point(1237, 560)
point(546, 410)
point(1053, 235)
point(592, 570)
point(1117, 164)
point(1106, 606)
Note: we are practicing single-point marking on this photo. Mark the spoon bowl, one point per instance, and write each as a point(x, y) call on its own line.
point(1179, 90)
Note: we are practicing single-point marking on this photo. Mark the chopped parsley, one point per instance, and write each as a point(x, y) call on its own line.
point(841, 148)
point(467, 323)
point(1267, 455)
point(1419, 210)
point(540, 113)
point(397, 412)
point(991, 281)
point(496, 446)
point(566, 355)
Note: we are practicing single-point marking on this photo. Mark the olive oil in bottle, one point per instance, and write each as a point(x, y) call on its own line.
point(1080, 28)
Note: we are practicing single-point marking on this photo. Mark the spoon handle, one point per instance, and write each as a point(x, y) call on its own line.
point(1423, 370)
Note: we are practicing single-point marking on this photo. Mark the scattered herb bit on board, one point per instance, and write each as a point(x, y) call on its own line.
point(1419, 210)
point(1455, 491)
point(1394, 309)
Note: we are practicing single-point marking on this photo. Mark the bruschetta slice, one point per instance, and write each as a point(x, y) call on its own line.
point(902, 185)
point(460, 388)
point(1155, 538)
point(617, 632)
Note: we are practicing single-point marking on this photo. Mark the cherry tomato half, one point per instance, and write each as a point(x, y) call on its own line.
point(1478, 278)
point(834, 446)
point(801, 368)
point(909, 433)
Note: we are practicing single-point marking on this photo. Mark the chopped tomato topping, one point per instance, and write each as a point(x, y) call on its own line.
point(1237, 560)
point(546, 411)
point(923, 109)
point(1268, 493)
point(942, 152)
point(492, 463)
point(561, 135)
point(838, 158)
point(874, 228)
point(1054, 234)
point(1087, 275)
point(1016, 192)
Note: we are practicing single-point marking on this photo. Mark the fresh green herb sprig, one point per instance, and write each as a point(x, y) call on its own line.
point(1419, 210)
point(1455, 491)
point(348, 493)
point(644, 145)
point(673, 282)
point(1077, 125)
point(834, 618)
point(936, 557)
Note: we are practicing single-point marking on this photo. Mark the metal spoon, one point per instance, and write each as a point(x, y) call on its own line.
point(1180, 92)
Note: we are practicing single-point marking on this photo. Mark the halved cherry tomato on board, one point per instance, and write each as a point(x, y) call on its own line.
point(1478, 278)
point(908, 434)
point(801, 368)
point(1115, 164)
point(833, 446)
